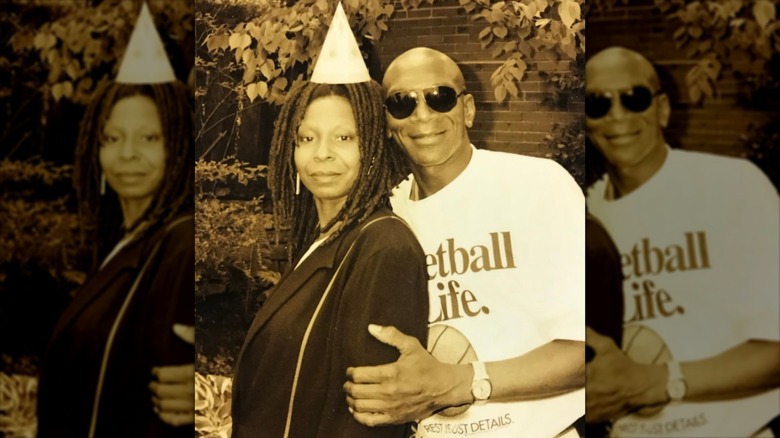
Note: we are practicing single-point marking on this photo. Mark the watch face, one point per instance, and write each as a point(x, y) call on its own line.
point(481, 389)
point(676, 389)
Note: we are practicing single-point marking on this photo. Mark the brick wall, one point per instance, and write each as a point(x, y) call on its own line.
point(715, 125)
point(517, 125)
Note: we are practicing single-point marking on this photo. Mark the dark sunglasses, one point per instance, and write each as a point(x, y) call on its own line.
point(440, 99)
point(635, 100)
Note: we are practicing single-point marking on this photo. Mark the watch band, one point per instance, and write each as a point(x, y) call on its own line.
point(481, 388)
point(480, 371)
point(675, 371)
point(676, 385)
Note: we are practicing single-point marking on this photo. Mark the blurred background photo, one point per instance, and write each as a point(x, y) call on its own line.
point(55, 55)
point(682, 119)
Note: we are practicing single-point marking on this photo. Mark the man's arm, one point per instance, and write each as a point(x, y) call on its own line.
point(617, 386)
point(418, 385)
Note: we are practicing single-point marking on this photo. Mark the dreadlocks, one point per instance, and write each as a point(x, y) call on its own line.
point(382, 163)
point(174, 194)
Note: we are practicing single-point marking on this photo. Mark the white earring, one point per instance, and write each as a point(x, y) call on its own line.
point(102, 183)
point(297, 183)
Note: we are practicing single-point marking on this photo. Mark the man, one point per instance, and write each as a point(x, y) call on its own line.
point(699, 241)
point(504, 237)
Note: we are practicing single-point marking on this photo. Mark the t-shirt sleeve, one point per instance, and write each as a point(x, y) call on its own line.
point(563, 217)
point(754, 235)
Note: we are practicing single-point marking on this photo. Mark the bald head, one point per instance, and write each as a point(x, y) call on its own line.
point(424, 64)
point(619, 59)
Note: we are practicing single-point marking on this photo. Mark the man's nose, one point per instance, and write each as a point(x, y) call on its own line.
point(616, 110)
point(422, 112)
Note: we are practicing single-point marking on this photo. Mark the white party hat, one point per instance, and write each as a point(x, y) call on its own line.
point(145, 61)
point(340, 61)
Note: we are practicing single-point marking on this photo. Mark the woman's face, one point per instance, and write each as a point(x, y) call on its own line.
point(132, 151)
point(327, 154)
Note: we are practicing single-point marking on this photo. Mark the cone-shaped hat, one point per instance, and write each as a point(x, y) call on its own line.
point(145, 61)
point(340, 61)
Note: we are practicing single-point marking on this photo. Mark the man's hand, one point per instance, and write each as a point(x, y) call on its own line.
point(173, 387)
point(412, 388)
point(616, 385)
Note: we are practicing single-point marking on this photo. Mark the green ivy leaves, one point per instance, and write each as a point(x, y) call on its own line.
point(522, 30)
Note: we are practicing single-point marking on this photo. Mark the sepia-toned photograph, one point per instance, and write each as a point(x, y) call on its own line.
point(390, 218)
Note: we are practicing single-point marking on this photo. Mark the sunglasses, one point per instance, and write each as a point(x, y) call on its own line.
point(635, 100)
point(440, 99)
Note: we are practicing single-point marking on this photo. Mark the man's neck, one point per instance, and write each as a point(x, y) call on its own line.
point(627, 179)
point(431, 179)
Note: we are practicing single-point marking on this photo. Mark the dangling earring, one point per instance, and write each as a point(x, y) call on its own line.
point(297, 183)
point(102, 183)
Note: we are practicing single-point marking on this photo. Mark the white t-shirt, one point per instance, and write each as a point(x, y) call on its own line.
point(700, 250)
point(504, 246)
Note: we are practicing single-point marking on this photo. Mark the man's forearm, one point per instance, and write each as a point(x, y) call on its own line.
point(554, 368)
point(748, 368)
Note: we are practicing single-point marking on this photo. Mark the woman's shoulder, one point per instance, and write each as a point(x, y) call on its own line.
point(385, 229)
point(176, 235)
point(384, 220)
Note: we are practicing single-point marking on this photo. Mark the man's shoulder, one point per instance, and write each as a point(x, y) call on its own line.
point(700, 158)
point(521, 165)
point(714, 169)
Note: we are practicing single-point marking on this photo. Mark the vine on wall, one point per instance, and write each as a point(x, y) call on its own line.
point(730, 35)
point(81, 47)
point(518, 31)
point(279, 46)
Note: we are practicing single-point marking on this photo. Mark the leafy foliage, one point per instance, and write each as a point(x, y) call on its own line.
point(567, 146)
point(279, 47)
point(80, 48)
point(727, 35)
point(761, 145)
point(38, 231)
point(18, 395)
point(521, 30)
point(212, 406)
point(230, 235)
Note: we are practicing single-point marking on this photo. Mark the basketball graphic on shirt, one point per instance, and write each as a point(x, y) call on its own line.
point(643, 345)
point(449, 345)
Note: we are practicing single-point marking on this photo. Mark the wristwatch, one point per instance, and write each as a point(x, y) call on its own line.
point(480, 386)
point(676, 386)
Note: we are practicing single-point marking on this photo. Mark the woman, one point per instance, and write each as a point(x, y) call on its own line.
point(133, 177)
point(347, 247)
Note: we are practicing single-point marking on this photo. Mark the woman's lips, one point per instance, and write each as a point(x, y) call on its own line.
point(130, 176)
point(324, 175)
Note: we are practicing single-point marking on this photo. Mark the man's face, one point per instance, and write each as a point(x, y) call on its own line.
point(628, 133)
point(430, 137)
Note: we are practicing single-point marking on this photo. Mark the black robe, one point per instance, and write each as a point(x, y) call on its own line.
point(144, 339)
point(383, 281)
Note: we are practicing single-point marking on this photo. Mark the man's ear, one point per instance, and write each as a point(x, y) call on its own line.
point(469, 109)
point(664, 110)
